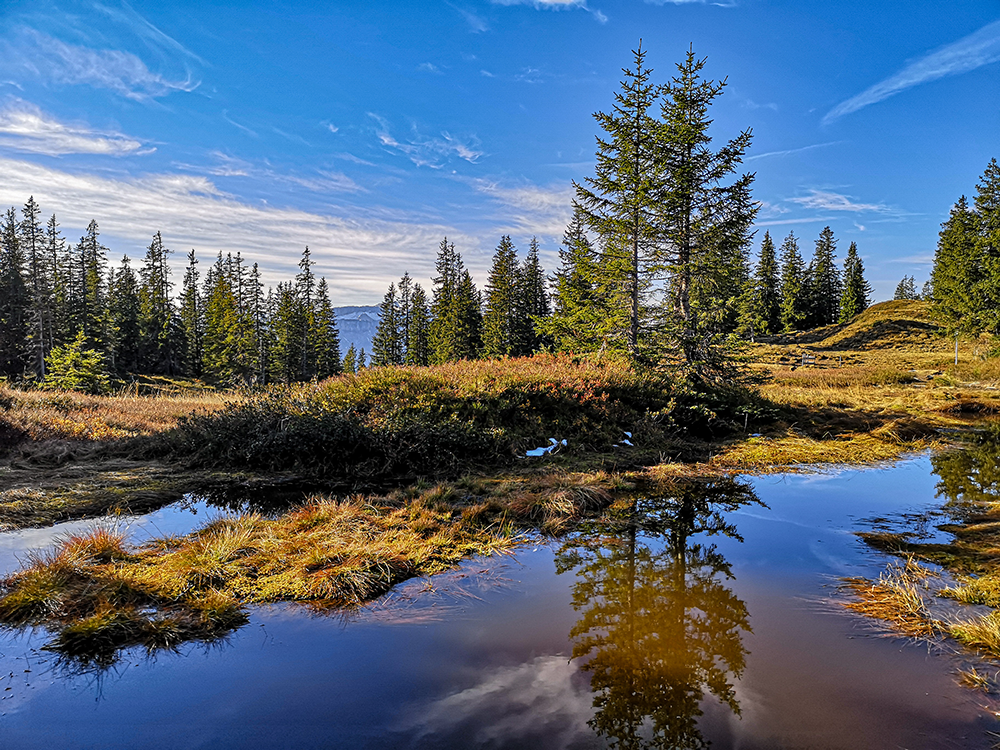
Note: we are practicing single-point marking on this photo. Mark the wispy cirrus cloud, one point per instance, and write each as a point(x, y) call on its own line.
point(427, 151)
point(789, 151)
point(60, 62)
point(477, 24)
point(827, 200)
point(557, 5)
point(25, 127)
point(973, 51)
point(320, 181)
point(193, 212)
point(531, 209)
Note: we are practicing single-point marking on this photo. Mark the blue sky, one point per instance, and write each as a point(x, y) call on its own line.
point(370, 130)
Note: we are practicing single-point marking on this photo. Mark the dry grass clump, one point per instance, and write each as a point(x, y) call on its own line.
point(895, 598)
point(97, 595)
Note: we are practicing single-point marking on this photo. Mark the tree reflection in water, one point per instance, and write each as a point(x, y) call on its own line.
point(659, 628)
point(971, 476)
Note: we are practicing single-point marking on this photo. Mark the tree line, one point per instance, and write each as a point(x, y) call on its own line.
point(62, 302)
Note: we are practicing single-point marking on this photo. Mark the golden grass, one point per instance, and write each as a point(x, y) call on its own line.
point(39, 415)
point(896, 598)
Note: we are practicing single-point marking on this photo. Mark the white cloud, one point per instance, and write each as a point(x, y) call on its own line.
point(477, 25)
point(426, 151)
point(332, 128)
point(825, 200)
point(24, 127)
point(789, 151)
point(557, 5)
point(358, 254)
point(428, 67)
point(121, 72)
point(323, 181)
point(973, 51)
point(532, 210)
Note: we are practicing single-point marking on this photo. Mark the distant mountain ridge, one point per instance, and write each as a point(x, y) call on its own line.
point(357, 326)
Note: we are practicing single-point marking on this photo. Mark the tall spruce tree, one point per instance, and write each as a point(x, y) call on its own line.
point(305, 283)
point(767, 296)
point(418, 341)
point(576, 322)
point(159, 331)
point(404, 307)
point(704, 224)
point(39, 281)
point(192, 319)
point(501, 315)
point(794, 300)
point(325, 337)
point(387, 344)
point(15, 299)
point(856, 295)
point(958, 272)
point(533, 305)
point(620, 205)
point(287, 324)
point(125, 311)
point(825, 285)
point(445, 304)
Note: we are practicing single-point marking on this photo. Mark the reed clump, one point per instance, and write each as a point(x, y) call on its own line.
point(895, 598)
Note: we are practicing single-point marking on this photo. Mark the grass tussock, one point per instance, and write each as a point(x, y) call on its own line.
point(896, 598)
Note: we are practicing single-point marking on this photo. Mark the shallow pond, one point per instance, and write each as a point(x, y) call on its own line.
point(701, 618)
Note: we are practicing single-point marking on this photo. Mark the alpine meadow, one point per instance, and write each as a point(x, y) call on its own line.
point(643, 378)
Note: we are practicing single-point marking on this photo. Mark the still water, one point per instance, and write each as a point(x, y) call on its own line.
point(706, 617)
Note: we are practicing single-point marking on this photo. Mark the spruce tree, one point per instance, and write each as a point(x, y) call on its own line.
point(124, 313)
point(856, 295)
point(351, 360)
point(906, 289)
point(987, 204)
point(704, 224)
point(287, 324)
point(620, 202)
point(259, 315)
point(444, 306)
point(405, 312)
point(958, 272)
point(192, 319)
point(15, 299)
point(533, 305)
point(767, 297)
point(325, 337)
point(793, 286)
point(825, 284)
point(418, 342)
point(576, 322)
point(468, 319)
point(387, 348)
point(56, 257)
point(305, 283)
point(500, 318)
point(159, 341)
point(39, 281)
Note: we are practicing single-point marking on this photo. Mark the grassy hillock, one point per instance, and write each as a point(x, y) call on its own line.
point(405, 422)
